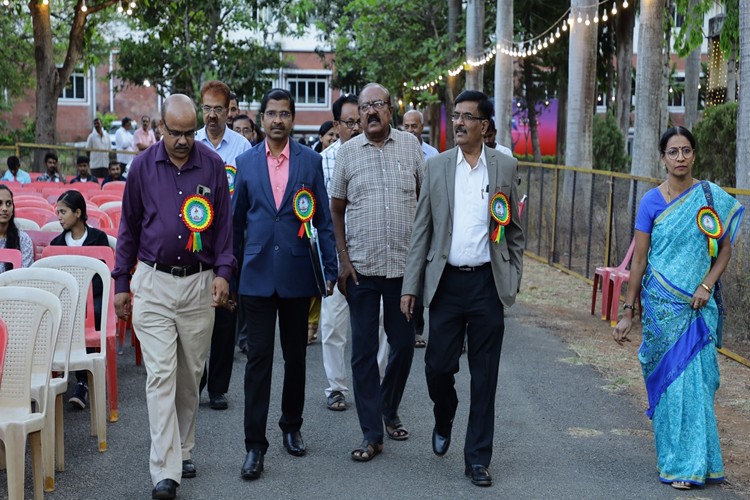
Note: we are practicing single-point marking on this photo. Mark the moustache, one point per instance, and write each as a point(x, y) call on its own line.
point(461, 129)
point(373, 118)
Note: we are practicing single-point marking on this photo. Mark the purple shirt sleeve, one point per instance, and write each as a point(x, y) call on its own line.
point(152, 227)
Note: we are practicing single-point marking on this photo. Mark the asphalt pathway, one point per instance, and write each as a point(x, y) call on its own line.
point(559, 434)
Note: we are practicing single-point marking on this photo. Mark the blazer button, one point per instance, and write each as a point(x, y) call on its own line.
point(445, 256)
point(277, 219)
point(276, 247)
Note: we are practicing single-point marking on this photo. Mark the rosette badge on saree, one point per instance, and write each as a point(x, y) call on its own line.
point(500, 212)
point(197, 214)
point(710, 225)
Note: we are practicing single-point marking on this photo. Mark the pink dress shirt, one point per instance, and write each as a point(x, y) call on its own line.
point(278, 172)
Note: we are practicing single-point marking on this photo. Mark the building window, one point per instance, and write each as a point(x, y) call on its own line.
point(75, 89)
point(309, 89)
point(676, 93)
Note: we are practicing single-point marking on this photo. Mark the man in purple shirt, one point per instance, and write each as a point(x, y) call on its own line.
point(176, 223)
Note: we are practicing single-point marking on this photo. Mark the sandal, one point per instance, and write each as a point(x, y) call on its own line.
point(397, 431)
point(367, 451)
point(336, 401)
point(681, 485)
point(419, 342)
point(312, 333)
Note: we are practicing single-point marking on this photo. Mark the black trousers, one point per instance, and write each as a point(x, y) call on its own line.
point(221, 356)
point(466, 298)
point(260, 317)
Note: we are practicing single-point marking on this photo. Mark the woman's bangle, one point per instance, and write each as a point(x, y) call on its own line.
point(628, 306)
point(706, 287)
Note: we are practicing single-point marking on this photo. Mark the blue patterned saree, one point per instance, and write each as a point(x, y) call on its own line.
point(678, 353)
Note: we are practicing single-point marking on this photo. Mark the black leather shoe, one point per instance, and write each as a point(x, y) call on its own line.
point(188, 468)
point(294, 444)
point(253, 465)
point(440, 443)
point(166, 489)
point(479, 475)
point(218, 401)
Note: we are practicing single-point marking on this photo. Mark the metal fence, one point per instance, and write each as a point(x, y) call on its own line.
point(578, 219)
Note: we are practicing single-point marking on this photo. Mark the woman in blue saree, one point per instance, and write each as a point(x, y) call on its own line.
point(683, 234)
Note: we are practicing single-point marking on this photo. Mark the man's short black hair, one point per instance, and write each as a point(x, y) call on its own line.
point(49, 155)
point(243, 117)
point(233, 97)
point(82, 159)
point(125, 121)
point(277, 95)
point(484, 105)
point(14, 162)
point(339, 104)
point(491, 126)
point(113, 162)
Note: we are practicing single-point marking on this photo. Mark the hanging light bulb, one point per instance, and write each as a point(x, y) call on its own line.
point(119, 8)
point(580, 19)
point(570, 19)
point(588, 21)
point(614, 8)
point(625, 4)
point(557, 33)
point(45, 2)
point(132, 5)
point(604, 16)
point(83, 6)
point(596, 17)
point(545, 44)
point(565, 27)
point(6, 2)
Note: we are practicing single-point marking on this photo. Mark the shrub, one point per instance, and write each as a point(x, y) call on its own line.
point(608, 144)
point(716, 145)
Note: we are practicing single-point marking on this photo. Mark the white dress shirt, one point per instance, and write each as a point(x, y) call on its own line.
point(470, 244)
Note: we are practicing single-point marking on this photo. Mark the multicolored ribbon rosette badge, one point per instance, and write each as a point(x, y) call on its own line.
point(710, 225)
point(304, 209)
point(197, 214)
point(231, 174)
point(500, 212)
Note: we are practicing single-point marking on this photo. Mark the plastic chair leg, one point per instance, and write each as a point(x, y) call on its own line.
point(35, 443)
point(15, 461)
point(48, 442)
point(112, 377)
point(616, 283)
point(99, 405)
point(59, 434)
point(593, 293)
point(606, 296)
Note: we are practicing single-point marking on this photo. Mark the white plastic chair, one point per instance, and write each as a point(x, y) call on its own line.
point(33, 318)
point(83, 270)
point(26, 224)
point(112, 242)
point(64, 287)
point(109, 204)
point(53, 226)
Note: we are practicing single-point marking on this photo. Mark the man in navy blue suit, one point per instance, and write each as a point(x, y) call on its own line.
point(279, 191)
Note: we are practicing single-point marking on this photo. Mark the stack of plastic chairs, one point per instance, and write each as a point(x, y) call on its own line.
point(604, 273)
point(31, 316)
point(3, 345)
point(11, 256)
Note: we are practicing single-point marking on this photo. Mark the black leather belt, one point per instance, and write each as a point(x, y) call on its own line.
point(179, 271)
point(470, 269)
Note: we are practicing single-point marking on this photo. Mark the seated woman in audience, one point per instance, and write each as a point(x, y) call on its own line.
point(71, 212)
point(10, 235)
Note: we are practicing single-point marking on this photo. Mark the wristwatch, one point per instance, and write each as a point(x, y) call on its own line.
point(628, 306)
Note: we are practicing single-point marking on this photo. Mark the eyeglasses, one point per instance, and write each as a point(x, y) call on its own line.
point(216, 109)
point(188, 134)
point(352, 123)
point(378, 105)
point(467, 117)
point(272, 115)
point(673, 153)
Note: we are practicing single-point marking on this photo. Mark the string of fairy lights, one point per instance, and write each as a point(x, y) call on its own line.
point(123, 7)
point(520, 49)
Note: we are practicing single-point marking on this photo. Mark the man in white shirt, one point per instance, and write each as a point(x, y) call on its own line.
point(124, 142)
point(466, 258)
point(99, 139)
point(414, 124)
point(228, 144)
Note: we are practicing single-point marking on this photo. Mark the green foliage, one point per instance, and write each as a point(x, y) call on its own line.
point(729, 38)
point(107, 119)
point(690, 34)
point(23, 134)
point(608, 144)
point(716, 145)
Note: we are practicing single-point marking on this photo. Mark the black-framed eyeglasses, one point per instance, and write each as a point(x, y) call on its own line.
point(378, 105)
point(467, 117)
point(272, 115)
point(216, 109)
point(674, 153)
point(187, 134)
point(352, 123)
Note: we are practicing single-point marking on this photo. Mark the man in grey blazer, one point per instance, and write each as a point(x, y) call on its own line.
point(466, 258)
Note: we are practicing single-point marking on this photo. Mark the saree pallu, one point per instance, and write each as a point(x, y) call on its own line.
point(678, 353)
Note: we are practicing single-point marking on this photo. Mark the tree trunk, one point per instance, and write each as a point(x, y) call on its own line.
point(665, 84)
point(742, 169)
point(624, 24)
point(531, 111)
point(732, 77)
point(474, 43)
point(692, 80)
point(451, 85)
point(648, 89)
point(562, 119)
point(581, 89)
point(504, 75)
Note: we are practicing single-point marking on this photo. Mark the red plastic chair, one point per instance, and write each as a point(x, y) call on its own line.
point(27, 195)
point(41, 241)
point(101, 198)
point(11, 256)
point(115, 186)
point(604, 273)
point(32, 203)
point(616, 279)
point(522, 205)
point(114, 214)
point(3, 345)
point(39, 215)
point(93, 336)
point(99, 219)
point(89, 188)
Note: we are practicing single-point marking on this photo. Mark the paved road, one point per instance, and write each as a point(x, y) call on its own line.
point(558, 435)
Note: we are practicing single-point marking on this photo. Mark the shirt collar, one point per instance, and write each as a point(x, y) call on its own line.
point(193, 160)
point(460, 158)
point(284, 152)
point(202, 135)
point(392, 136)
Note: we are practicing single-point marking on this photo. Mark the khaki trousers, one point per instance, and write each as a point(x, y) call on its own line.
point(173, 319)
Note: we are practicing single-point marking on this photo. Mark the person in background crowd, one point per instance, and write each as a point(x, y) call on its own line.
point(125, 142)
point(228, 144)
point(414, 124)
point(115, 173)
point(174, 287)
point(259, 134)
point(99, 139)
point(233, 110)
point(155, 128)
point(489, 139)
point(84, 175)
point(684, 233)
point(326, 136)
point(144, 137)
point(71, 212)
point(374, 194)
point(245, 126)
point(10, 235)
point(15, 173)
point(51, 175)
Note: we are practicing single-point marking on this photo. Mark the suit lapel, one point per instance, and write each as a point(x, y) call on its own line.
point(450, 180)
point(492, 168)
point(262, 161)
point(294, 160)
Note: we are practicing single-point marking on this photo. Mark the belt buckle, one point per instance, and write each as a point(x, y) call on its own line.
point(178, 271)
point(466, 269)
